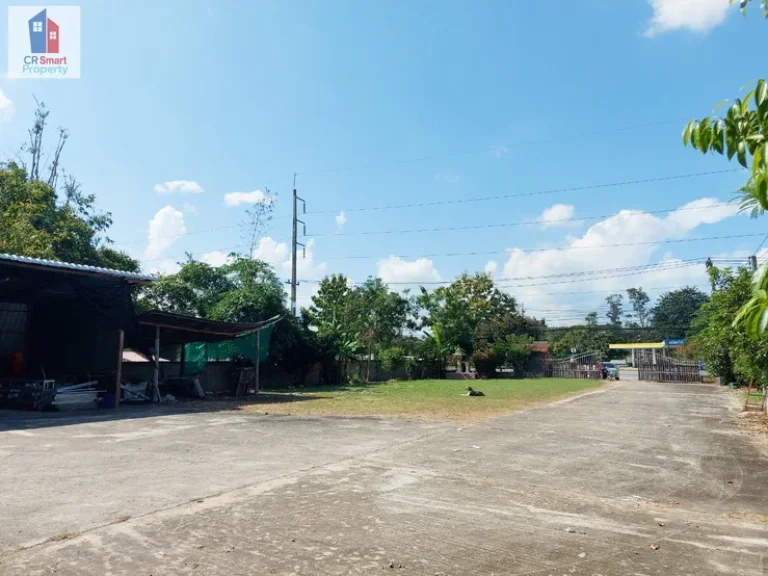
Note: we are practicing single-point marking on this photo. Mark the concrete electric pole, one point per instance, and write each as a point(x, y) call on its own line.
point(295, 243)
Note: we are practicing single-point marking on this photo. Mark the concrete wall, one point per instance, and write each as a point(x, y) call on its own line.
point(215, 377)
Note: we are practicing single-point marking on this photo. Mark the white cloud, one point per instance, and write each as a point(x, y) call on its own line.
point(491, 268)
point(702, 211)
point(695, 15)
point(165, 229)
point(181, 186)
point(278, 254)
point(557, 215)
point(7, 109)
point(341, 219)
point(189, 208)
point(164, 266)
point(594, 251)
point(395, 269)
point(237, 198)
point(216, 258)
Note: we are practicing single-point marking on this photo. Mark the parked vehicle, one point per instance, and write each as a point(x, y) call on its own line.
point(610, 371)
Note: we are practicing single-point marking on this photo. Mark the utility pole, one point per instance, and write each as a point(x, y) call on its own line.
point(295, 243)
point(753, 263)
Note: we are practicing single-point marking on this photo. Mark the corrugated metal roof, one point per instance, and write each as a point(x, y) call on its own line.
point(78, 268)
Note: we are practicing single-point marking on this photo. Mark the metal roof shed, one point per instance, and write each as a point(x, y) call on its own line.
point(174, 329)
point(63, 320)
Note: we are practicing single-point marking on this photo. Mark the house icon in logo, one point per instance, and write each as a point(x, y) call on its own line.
point(43, 34)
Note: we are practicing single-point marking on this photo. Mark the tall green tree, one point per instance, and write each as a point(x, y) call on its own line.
point(673, 314)
point(730, 351)
point(615, 309)
point(330, 305)
point(380, 315)
point(43, 218)
point(462, 307)
point(639, 300)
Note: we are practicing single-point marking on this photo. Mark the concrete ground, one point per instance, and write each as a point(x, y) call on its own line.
point(638, 479)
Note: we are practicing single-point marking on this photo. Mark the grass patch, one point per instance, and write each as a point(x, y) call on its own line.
point(427, 399)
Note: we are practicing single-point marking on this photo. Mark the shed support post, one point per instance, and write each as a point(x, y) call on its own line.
point(653, 354)
point(258, 358)
point(634, 364)
point(156, 379)
point(119, 377)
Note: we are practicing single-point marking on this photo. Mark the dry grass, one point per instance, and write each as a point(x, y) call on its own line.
point(422, 399)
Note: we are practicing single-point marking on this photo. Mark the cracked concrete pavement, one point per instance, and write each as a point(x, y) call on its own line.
point(586, 487)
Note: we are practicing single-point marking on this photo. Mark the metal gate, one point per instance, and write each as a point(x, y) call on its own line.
point(658, 368)
point(587, 365)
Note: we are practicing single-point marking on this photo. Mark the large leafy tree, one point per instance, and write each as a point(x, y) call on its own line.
point(243, 290)
point(639, 300)
point(675, 310)
point(330, 306)
point(462, 307)
point(730, 351)
point(44, 218)
point(615, 312)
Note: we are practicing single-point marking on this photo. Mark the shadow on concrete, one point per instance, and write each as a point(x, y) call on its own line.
point(30, 420)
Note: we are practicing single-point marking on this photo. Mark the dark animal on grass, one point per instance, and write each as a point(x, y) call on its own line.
point(471, 392)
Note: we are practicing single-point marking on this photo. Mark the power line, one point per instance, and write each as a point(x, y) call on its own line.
point(518, 223)
point(528, 250)
point(555, 249)
point(535, 193)
point(761, 244)
point(573, 293)
point(497, 150)
point(644, 267)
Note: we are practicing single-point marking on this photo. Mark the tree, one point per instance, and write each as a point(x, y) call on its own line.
point(591, 320)
point(462, 307)
point(40, 220)
point(615, 309)
point(243, 290)
point(639, 300)
point(257, 219)
point(331, 304)
point(674, 312)
point(379, 316)
point(730, 351)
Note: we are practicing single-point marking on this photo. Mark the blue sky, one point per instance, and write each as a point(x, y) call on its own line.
point(388, 103)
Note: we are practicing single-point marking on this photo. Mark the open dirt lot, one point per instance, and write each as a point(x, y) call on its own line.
point(635, 479)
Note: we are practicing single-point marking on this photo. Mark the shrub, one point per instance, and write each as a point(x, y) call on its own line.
point(486, 361)
point(392, 359)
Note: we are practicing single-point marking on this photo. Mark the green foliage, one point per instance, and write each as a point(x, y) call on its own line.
point(729, 349)
point(744, 4)
point(675, 310)
point(331, 304)
point(615, 309)
point(392, 359)
point(370, 315)
point(487, 360)
point(462, 307)
point(41, 221)
point(242, 291)
point(639, 300)
point(582, 339)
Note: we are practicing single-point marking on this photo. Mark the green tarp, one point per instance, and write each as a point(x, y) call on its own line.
point(198, 354)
